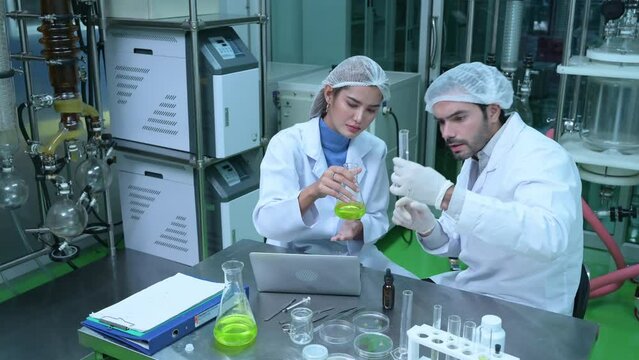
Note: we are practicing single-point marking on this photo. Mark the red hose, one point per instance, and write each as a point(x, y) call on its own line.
point(605, 284)
point(603, 234)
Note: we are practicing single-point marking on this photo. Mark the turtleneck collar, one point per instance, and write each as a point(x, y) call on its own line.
point(334, 144)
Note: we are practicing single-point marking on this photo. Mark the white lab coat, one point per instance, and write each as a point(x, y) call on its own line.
point(520, 228)
point(294, 160)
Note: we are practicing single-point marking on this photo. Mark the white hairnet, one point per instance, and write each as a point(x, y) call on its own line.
point(354, 71)
point(471, 82)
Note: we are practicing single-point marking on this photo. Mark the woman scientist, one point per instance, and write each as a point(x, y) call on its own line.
point(301, 175)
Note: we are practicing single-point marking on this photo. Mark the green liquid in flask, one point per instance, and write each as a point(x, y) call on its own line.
point(235, 330)
point(350, 211)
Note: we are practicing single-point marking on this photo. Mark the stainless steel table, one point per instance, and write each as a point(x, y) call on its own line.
point(531, 333)
point(42, 323)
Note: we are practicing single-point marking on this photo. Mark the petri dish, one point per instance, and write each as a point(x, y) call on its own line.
point(372, 345)
point(371, 321)
point(340, 356)
point(337, 332)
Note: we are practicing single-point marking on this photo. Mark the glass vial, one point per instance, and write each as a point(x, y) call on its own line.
point(235, 325)
point(388, 291)
point(403, 144)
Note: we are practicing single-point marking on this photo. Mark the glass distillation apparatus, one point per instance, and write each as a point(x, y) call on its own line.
point(80, 126)
point(610, 117)
point(604, 139)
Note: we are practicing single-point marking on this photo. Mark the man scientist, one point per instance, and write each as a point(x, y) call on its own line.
point(514, 214)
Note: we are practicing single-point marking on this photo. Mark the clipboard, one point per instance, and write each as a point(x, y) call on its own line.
point(164, 334)
point(158, 303)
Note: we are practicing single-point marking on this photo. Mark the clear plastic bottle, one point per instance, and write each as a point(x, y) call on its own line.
point(491, 332)
point(235, 325)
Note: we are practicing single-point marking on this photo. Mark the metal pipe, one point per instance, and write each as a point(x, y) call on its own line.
point(426, 32)
point(582, 52)
point(25, 242)
point(263, 70)
point(36, 254)
point(24, 57)
point(93, 54)
point(199, 136)
point(109, 219)
point(102, 19)
point(469, 29)
point(19, 14)
point(493, 42)
point(28, 88)
point(564, 78)
point(28, 85)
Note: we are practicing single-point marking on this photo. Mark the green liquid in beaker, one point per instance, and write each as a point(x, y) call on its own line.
point(235, 330)
point(350, 211)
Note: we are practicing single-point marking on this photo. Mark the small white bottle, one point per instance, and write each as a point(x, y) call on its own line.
point(492, 333)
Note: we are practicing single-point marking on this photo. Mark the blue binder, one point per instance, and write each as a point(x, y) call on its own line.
point(163, 335)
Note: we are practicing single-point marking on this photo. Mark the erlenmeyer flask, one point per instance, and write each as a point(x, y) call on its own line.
point(235, 325)
point(352, 210)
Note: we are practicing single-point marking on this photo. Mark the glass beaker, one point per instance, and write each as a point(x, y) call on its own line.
point(235, 325)
point(301, 331)
point(354, 209)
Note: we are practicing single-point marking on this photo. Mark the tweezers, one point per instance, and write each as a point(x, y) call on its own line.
point(337, 315)
point(315, 318)
point(281, 310)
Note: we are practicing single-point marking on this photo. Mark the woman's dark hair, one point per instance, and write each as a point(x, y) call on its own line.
point(502, 116)
point(335, 92)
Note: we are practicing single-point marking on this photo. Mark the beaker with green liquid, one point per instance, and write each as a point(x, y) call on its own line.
point(235, 325)
point(354, 209)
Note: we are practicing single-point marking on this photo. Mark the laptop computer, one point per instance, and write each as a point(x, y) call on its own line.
point(306, 273)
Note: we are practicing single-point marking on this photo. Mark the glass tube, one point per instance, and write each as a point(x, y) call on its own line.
point(469, 332)
point(407, 317)
point(437, 324)
point(437, 317)
point(454, 328)
point(403, 146)
point(401, 352)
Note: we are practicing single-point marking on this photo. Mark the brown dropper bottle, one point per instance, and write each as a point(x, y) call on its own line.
point(388, 291)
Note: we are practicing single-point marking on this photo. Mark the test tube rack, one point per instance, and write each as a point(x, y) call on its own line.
point(449, 344)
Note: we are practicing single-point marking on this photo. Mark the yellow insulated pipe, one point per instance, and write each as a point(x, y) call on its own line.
point(69, 106)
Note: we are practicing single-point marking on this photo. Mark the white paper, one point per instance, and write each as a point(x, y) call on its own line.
point(159, 302)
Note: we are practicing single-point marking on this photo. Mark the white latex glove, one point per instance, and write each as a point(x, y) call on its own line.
point(413, 215)
point(418, 182)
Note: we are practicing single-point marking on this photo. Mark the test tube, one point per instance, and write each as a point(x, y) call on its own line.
point(469, 332)
point(403, 144)
point(401, 352)
point(454, 328)
point(437, 317)
point(483, 339)
point(407, 317)
point(437, 324)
